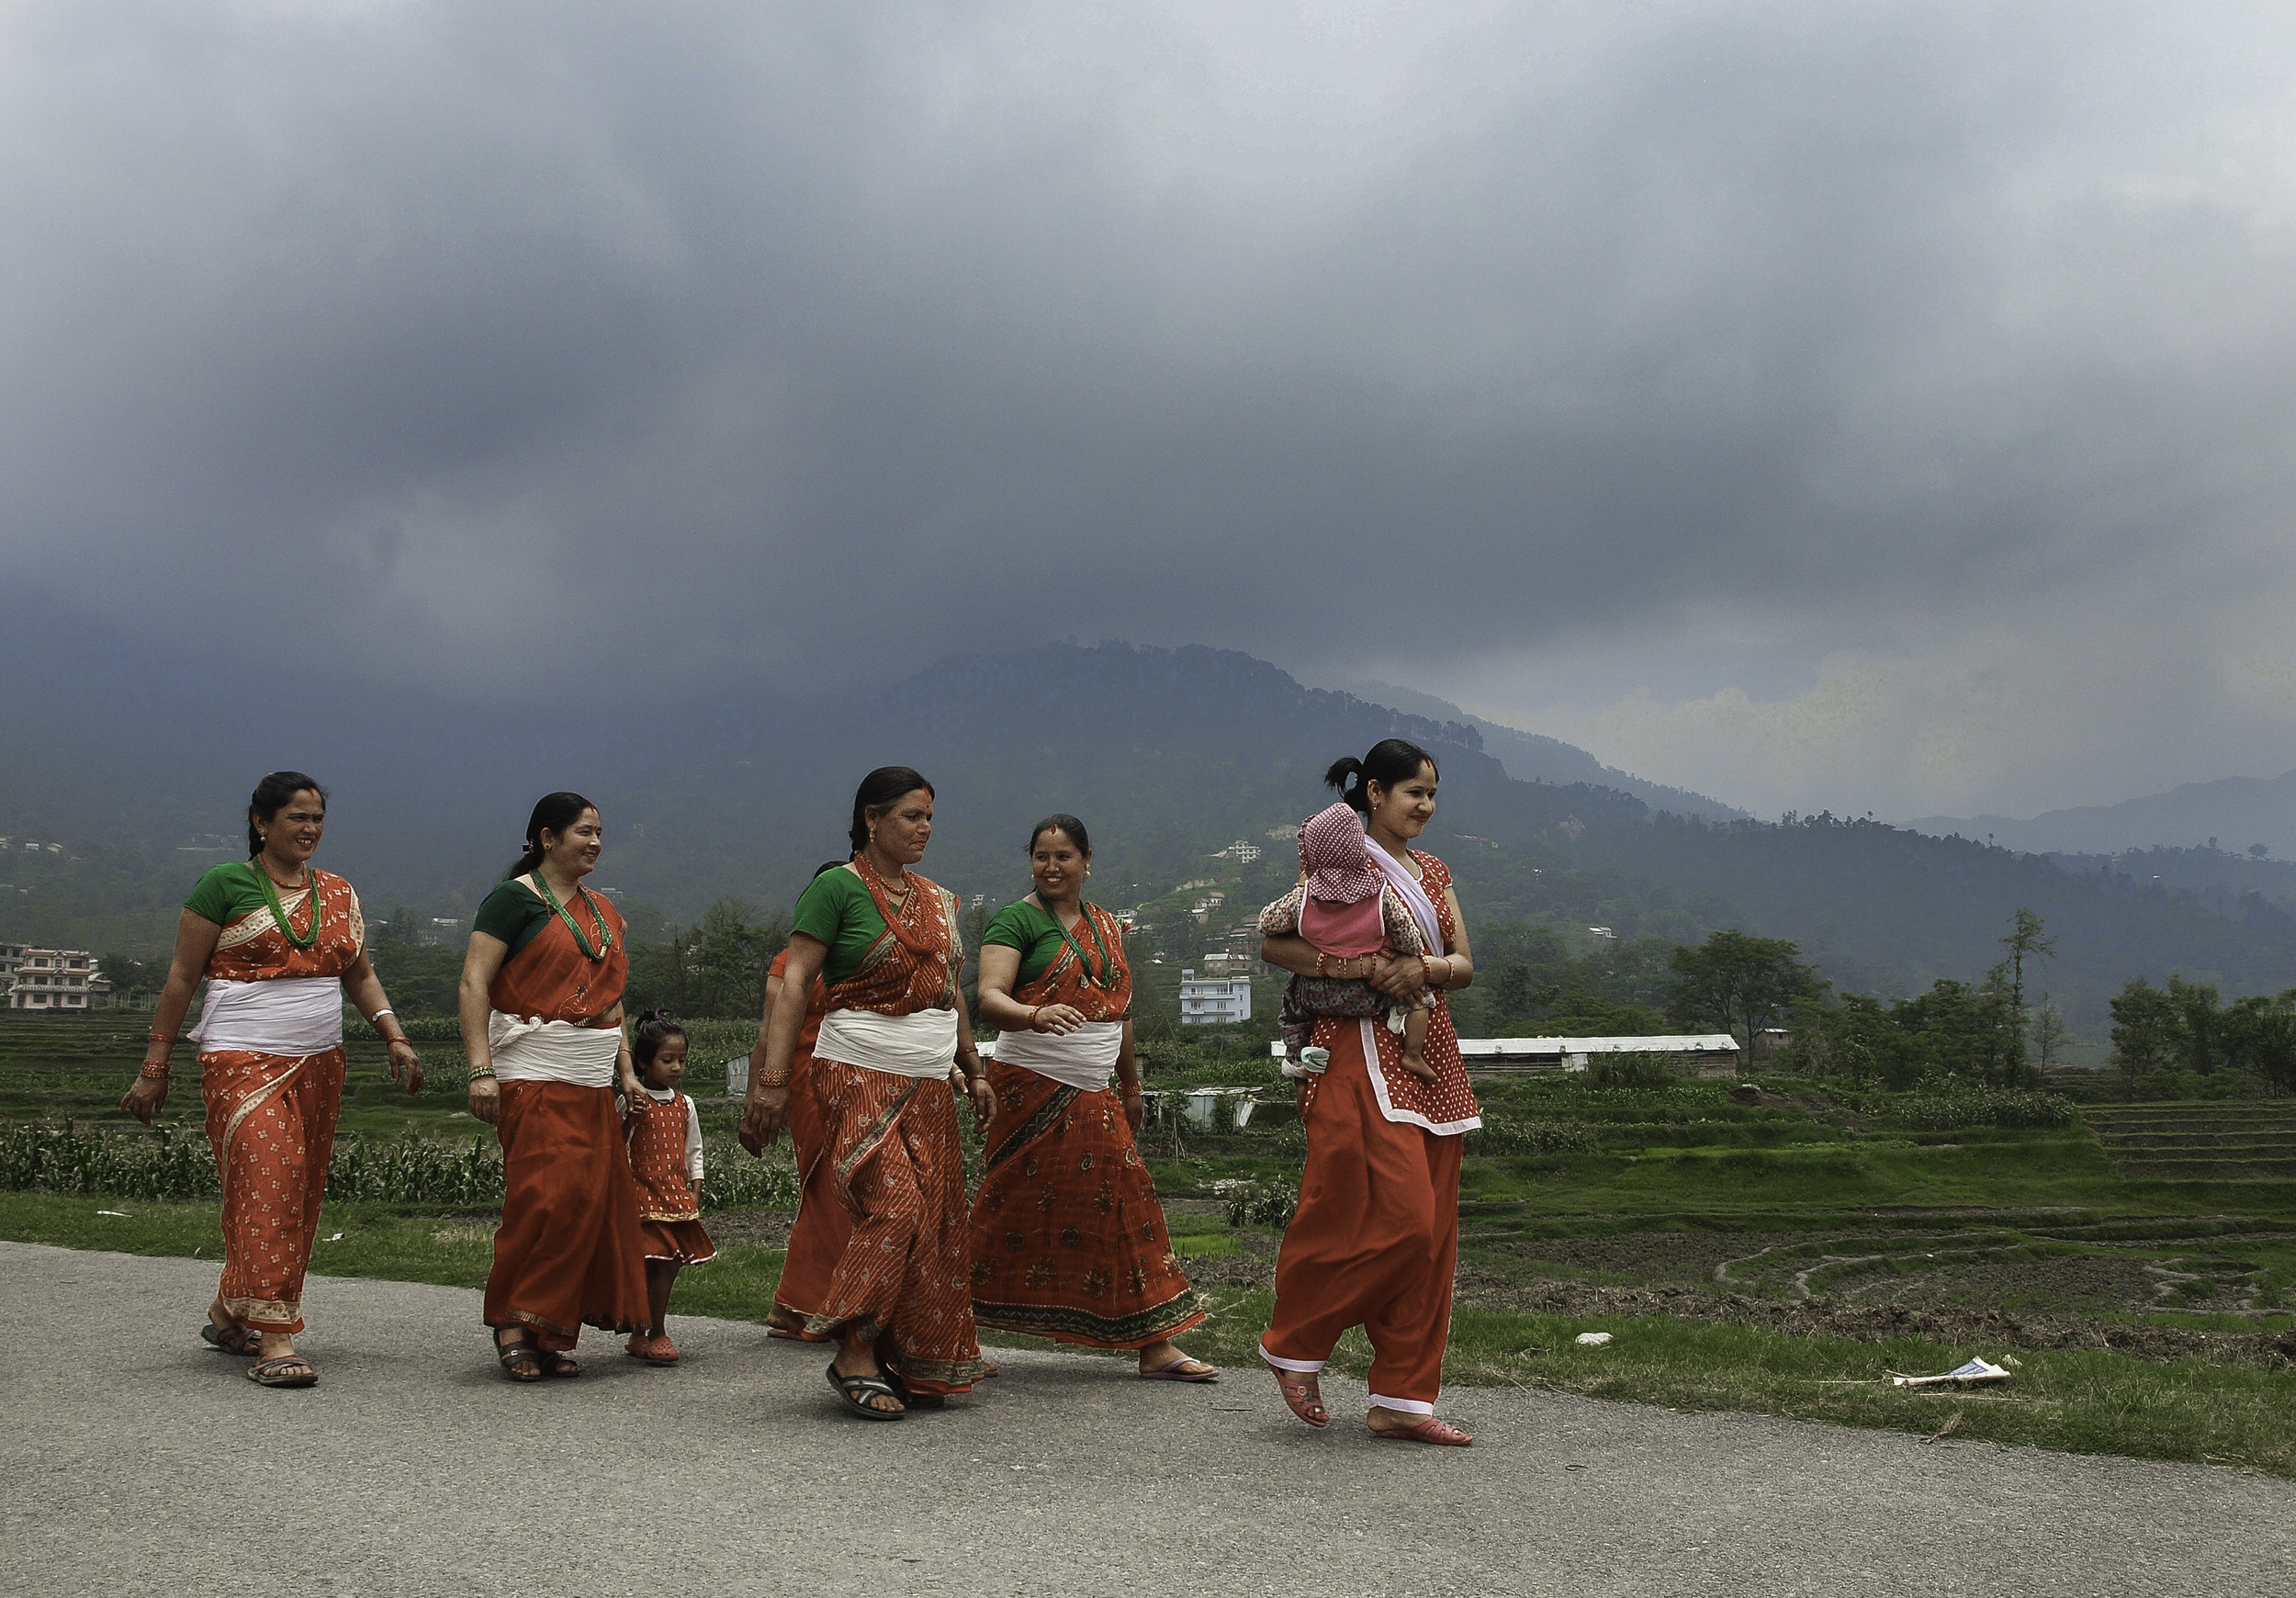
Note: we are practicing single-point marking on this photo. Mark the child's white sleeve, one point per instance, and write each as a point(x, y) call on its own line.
point(693, 1141)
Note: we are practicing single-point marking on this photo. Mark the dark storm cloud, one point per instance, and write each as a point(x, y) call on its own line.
point(743, 328)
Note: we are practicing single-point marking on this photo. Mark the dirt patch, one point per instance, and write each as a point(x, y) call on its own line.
point(1644, 1256)
point(1995, 1329)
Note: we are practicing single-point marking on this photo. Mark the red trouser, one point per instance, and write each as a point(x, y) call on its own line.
point(1375, 1242)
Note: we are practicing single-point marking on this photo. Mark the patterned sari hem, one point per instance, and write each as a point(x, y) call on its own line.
point(1062, 1325)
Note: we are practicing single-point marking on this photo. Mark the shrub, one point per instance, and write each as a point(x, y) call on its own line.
point(1504, 1136)
point(1973, 1106)
point(1264, 1203)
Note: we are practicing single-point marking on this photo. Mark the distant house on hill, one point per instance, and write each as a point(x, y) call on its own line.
point(1207, 1001)
point(54, 979)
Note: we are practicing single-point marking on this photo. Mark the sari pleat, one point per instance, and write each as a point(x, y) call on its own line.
point(271, 1120)
point(568, 1252)
point(900, 1281)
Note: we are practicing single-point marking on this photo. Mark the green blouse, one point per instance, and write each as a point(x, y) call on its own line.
point(836, 907)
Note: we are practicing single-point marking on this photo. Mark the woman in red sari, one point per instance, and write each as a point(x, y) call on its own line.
point(1376, 1239)
point(282, 944)
point(1068, 1239)
point(542, 1024)
point(894, 1045)
point(818, 1237)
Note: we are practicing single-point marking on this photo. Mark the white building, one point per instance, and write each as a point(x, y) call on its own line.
point(1515, 1056)
point(53, 979)
point(1213, 1001)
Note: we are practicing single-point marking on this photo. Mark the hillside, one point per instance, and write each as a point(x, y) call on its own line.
point(1170, 756)
point(1530, 757)
point(2234, 812)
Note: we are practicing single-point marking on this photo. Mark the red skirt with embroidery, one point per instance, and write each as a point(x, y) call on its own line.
point(1068, 1239)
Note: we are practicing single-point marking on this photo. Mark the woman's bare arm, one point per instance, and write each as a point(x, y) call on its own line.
point(196, 937)
point(480, 962)
point(766, 1105)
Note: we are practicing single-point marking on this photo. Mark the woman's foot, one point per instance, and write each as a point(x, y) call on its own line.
point(520, 1360)
point(1398, 1427)
point(857, 1360)
point(655, 1349)
point(229, 1334)
point(1302, 1396)
point(1164, 1361)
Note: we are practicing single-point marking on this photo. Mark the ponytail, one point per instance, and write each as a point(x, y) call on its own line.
point(1391, 760)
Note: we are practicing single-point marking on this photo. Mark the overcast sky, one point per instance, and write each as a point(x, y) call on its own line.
point(1873, 407)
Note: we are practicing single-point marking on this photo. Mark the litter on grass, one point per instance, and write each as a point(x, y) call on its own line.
point(1592, 1339)
point(120, 1214)
point(1969, 1375)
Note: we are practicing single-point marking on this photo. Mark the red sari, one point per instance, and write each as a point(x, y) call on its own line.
point(568, 1251)
point(1376, 1240)
point(893, 1160)
point(818, 1235)
point(1068, 1240)
point(270, 1117)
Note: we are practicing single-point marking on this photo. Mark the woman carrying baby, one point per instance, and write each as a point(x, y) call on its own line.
point(1376, 1238)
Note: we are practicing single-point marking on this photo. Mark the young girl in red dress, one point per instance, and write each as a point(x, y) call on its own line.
point(665, 1133)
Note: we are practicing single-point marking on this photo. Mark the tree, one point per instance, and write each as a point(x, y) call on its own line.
point(2259, 1035)
point(1739, 984)
point(2051, 1035)
point(2028, 939)
point(2143, 1031)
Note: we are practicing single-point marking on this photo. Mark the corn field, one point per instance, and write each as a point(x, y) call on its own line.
point(169, 1167)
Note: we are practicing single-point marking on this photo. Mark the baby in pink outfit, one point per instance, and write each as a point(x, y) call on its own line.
point(1346, 908)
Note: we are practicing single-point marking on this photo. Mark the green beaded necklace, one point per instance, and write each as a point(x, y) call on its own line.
point(278, 914)
point(1105, 980)
point(605, 933)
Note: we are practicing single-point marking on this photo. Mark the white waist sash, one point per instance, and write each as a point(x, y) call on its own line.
point(529, 1049)
point(1085, 1058)
point(287, 1015)
point(923, 1044)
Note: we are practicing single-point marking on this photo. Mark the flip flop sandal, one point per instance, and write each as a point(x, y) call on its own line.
point(653, 1350)
point(240, 1340)
point(1173, 1372)
point(521, 1360)
point(557, 1364)
point(1301, 1394)
point(1441, 1433)
point(282, 1371)
point(857, 1391)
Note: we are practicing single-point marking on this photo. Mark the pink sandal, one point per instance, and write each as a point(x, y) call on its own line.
point(1442, 1433)
point(1299, 1392)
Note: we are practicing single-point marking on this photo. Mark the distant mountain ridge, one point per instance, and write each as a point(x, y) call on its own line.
point(1170, 756)
point(1531, 756)
point(2235, 811)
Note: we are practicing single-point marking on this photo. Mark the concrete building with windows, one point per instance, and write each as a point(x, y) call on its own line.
point(53, 979)
point(1213, 1000)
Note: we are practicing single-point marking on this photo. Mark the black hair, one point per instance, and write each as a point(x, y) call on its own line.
point(1068, 824)
point(827, 865)
point(653, 1029)
point(270, 793)
point(877, 792)
point(1391, 760)
point(552, 812)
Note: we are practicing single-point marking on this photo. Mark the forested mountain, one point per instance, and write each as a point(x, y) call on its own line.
point(1535, 758)
point(2237, 812)
point(1169, 755)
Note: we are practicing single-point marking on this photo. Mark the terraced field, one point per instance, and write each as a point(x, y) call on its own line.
point(2250, 1141)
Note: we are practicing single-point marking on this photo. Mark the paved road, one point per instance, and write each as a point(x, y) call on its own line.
point(146, 1463)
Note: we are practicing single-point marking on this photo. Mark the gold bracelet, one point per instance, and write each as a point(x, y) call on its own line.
point(156, 1071)
point(481, 1073)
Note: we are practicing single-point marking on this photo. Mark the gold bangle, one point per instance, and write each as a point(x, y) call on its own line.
point(156, 1071)
point(483, 1073)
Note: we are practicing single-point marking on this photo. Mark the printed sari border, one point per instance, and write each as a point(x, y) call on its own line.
point(1043, 1120)
point(1175, 1315)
